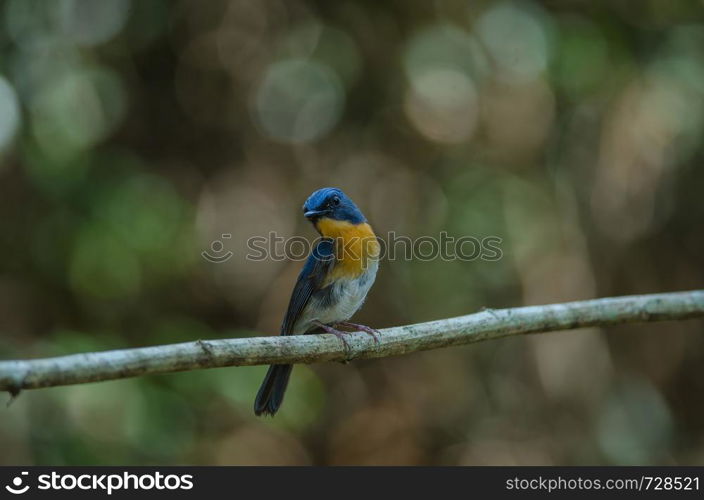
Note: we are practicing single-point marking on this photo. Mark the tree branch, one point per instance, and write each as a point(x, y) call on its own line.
point(485, 325)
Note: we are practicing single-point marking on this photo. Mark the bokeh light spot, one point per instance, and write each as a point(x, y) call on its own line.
point(516, 39)
point(442, 105)
point(78, 110)
point(327, 45)
point(298, 101)
point(636, 424)
point(88, 22)
point(9, 113)
point(443, 46)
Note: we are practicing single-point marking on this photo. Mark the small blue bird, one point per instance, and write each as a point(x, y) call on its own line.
point(332, 285)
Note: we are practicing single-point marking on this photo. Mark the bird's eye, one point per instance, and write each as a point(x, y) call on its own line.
point(335, 200)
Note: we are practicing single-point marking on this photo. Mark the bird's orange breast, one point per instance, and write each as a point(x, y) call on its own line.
point(355, 246)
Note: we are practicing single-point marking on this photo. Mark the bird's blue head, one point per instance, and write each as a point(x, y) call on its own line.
point(331, 203)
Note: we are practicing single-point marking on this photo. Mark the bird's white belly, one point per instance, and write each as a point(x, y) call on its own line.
point(346, 297)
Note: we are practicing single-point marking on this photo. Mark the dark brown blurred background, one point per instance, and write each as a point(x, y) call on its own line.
point(135, 134)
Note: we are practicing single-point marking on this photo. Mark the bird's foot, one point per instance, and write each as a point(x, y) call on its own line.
point(337, 333)
point(362, 328)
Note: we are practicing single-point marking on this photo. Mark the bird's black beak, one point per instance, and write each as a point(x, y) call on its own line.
point(315, 214)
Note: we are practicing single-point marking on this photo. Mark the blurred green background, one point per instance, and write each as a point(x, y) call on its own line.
point(134, 134)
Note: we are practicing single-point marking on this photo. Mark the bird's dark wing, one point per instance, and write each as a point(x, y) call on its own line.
point(311, 279)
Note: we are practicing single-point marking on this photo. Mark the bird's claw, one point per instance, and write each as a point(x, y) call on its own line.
point(340, 335)
point(363, 328)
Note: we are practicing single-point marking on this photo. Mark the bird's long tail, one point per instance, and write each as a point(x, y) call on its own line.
point(271, 393)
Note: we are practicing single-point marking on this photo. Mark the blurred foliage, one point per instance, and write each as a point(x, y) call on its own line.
point(135, 134)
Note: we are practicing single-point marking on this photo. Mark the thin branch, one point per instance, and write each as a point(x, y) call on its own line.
point(485, 325)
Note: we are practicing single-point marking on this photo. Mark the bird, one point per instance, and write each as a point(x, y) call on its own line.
point(331, 286)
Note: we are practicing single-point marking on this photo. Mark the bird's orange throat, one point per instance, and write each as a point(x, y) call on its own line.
point(355, 246)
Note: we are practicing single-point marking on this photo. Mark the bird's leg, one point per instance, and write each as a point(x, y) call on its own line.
point(362, 328)
point(337, 333)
